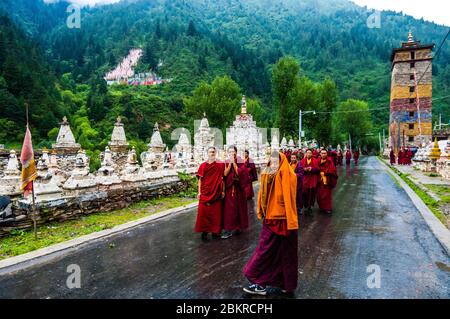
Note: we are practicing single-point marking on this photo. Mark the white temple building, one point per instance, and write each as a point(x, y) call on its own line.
point(245, 135)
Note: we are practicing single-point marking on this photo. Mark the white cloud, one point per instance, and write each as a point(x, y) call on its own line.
point(431, 10)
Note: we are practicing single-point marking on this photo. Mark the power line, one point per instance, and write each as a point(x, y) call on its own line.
point(435, 56)
point(371, 109)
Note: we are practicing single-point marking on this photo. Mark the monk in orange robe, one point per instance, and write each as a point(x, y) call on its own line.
point(275, 260)
point(310, 172)
point(327, 181)
point(210, 195)
point(235, 213)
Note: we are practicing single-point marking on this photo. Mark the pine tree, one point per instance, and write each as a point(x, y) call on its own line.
point(191, 30)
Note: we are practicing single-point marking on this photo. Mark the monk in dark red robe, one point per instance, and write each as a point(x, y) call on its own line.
point(409, 155)
point(327, 181)
point(315, 153)
point(348, 157)
point(392, 157)
point(356, 156)
point(401, 157)
point(252, 173)
point(310, 173)
point(340, 158)
point(235, 215)
point(275, 260)
point(210, 195)
point(298, 170)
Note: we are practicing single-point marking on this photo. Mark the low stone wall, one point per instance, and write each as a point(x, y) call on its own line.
point(99, 200)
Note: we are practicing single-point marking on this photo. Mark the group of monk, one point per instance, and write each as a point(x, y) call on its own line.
point(404, 156)
point(337, 156)
point(223, 191)
point(288, 186)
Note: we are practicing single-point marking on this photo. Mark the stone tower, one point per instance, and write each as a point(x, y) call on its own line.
point(411, 94)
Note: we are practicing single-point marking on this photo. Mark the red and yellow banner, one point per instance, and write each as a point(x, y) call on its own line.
point(29, 172)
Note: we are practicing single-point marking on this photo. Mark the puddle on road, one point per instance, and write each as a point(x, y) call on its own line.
point(443, 266)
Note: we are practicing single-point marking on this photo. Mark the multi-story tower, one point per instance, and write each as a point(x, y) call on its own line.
point(411, 95)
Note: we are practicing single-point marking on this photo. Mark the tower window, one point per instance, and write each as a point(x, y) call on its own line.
point(412, 65)
point(410, 138)
point(411, 89)
point(411, 77)
point(411, 114)
point(411, 101)
point(413, 55)
point(411, 126)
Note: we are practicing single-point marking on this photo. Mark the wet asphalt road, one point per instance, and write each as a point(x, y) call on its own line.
point(374, 222)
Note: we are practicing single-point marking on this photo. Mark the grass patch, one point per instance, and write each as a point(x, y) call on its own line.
point(442, 191)
point(23, 241)
point(431, 203)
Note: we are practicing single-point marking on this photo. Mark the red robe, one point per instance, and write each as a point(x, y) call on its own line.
point(348, 157)
point(235, 215)
point(309, 187)
point(392, 157)
point(315, 154)
point(340, 158)
point(401, 159)
point(356, 157)
point(324, 191)
point(209, 217)
point(251, 170)
point(409, 155)
point(298, 170)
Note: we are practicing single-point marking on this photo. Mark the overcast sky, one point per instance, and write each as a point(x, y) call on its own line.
point(437, 11)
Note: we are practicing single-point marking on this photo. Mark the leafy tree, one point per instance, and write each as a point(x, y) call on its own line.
point(353, 117)
point(284, 79)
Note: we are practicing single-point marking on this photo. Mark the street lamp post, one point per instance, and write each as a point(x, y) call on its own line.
point(300, 113)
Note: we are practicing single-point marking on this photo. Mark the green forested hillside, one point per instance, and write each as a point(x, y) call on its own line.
point(199, 41)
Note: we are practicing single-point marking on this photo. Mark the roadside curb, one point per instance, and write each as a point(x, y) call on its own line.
point(56, 249)
point(441, 233)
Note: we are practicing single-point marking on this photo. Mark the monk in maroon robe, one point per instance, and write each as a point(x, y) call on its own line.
point(409, 155)
point(315, 153)
point(340, 158)
point(348, 157)
point(235, 215)
point(310, 173)
point(327, 181)
point(401, 157)
point(298, 170)
point(252, 173)
point(210, 195)
point(356, 157)
point(275, 260)
point(392, 157)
